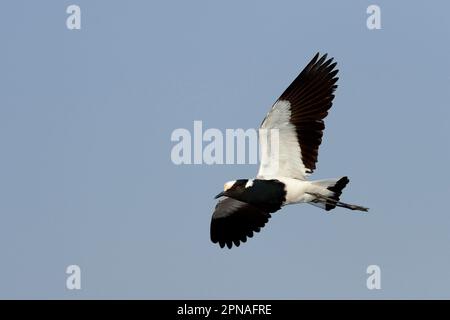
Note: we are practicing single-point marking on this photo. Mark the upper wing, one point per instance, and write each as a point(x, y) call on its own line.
point(298, 115)
point(233, 221)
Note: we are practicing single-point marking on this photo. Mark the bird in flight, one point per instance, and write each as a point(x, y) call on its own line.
point(296, 120)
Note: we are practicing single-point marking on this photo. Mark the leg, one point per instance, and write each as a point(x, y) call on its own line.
point(321, 198)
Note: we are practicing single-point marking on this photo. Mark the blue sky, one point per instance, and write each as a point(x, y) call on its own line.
point(86, 177)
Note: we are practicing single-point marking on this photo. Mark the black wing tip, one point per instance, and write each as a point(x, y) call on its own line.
point(316, 57)
point(237, 242)
point(320, 62)
point(319, 68)
point(228, 242)
point(234, 221)
point(321, 57)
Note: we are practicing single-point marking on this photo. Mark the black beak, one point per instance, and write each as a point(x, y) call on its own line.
point(220, 195)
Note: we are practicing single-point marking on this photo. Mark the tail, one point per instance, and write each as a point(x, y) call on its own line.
point(328, 193)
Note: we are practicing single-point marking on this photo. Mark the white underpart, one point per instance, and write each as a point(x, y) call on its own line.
point(249, 183)
point(289, 162)
point(298, 191)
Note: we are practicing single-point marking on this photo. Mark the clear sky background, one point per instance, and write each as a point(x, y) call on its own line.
point(86, 176)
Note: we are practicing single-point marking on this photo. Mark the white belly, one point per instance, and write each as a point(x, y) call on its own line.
point(296, 190)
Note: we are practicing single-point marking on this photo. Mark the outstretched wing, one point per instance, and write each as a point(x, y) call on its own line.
point(298, 117)
point(233, 221)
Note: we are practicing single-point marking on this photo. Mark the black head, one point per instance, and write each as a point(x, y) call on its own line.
point(233, 189)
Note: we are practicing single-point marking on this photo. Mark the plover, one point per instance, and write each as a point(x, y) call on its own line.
point(296, 119)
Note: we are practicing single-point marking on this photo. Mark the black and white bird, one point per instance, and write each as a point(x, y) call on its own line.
point(297, 118)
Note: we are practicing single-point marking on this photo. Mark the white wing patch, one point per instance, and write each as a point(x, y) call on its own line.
point(286, 161)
